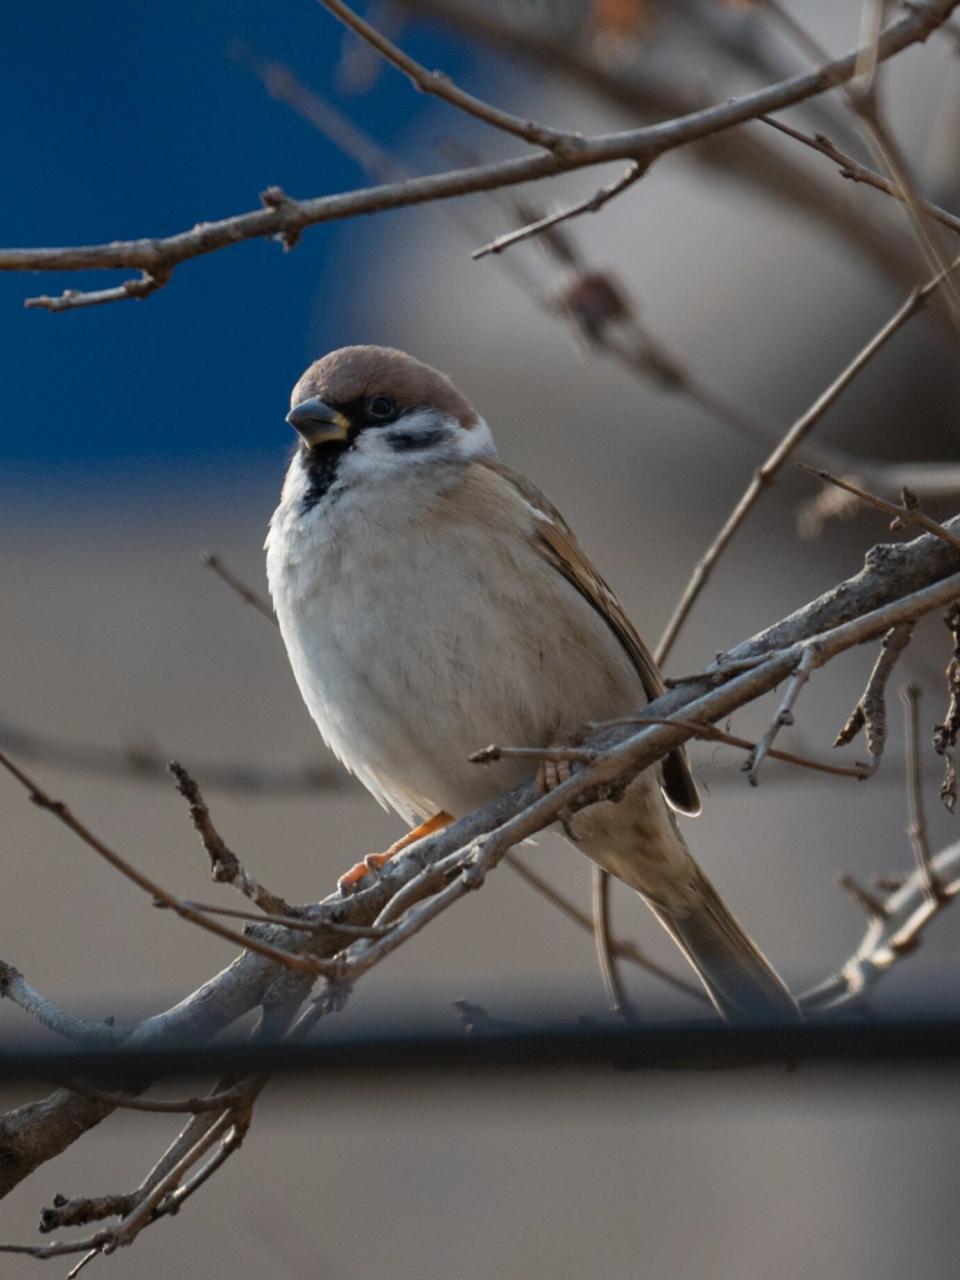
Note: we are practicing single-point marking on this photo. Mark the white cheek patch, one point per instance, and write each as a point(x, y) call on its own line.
point(477, 442)
point(423, 436)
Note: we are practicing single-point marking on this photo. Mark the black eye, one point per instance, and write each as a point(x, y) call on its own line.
point(381, 407)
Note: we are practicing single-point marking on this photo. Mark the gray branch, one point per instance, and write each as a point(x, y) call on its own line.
point(896, 583)
point(285, 219)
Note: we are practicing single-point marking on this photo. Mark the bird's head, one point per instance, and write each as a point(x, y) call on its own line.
point(361, 412)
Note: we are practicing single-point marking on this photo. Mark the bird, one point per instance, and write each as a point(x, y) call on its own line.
point(432, 600)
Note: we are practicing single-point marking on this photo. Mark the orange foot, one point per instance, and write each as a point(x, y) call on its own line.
point(373, 861)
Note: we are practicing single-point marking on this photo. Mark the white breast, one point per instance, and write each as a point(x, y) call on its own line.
point(417, 637)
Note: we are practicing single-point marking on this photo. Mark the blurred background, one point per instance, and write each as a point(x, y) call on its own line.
point(139, 435)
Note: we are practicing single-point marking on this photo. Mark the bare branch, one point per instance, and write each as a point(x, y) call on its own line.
point(807, 664)
point(870, 713)
point(738, 156)
point(766, 474)
point(224, 863)
point(620, 1002)
point(470, 863)
point(596, 303)
point(285, 922)
point(243, 591)
point(441, 86)
point(945, 734)
point(83, 1210)
point(60, 1248)
point(60, 811)
point(710, 733)
point(917, 830)
point(286, 219)
point(863, 98)
point(212, 1102)
point(908, 513)
point(14, 987)
point(856, 172)
point(73, 299)
point(622, 949)
point(593, 204)
point(149, 764)
point(897, 583)
point(890, 936)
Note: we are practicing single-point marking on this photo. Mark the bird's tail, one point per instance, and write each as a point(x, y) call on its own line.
point(740, 981)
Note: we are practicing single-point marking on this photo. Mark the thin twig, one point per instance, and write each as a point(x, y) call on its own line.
point(891, 935)
point(593, 204)
point(243, 591)
point(807, 664)
point(59, 1248)
point(711, 733)
point(620, 1002)
point(40, 798)
point(945, 734)
point(870, 713)
point(856, 172)
point(130, 1227)
point(861, 92)
point(620, 948)
point(212, 1102)
point(874, 907)
point(766, 474)
point(441, 86)
point(908, 513)
point(285, 922)
point(225, 866)
point(87, 1258)
point(285, 219)
point(917, 829)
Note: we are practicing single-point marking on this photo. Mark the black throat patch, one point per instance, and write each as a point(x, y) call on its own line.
point(320, 465)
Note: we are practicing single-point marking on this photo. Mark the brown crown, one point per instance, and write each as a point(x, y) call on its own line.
point(355, 372)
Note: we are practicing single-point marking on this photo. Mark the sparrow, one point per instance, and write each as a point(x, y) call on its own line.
point(432, 600)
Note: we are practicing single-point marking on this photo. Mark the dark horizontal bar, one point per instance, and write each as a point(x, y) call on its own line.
point(643, 1045)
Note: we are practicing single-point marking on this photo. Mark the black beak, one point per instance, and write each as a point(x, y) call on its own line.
point(317, 423)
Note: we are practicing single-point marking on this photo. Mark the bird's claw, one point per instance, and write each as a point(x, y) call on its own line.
point(350, 880)
point(551, 774)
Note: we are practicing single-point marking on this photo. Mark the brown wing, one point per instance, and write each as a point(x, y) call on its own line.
point(556, 543)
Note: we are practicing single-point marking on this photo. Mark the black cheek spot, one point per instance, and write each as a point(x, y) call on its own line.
point(410, 441)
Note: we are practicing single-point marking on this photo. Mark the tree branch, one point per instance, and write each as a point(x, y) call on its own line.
point(856, 172)
point(766, 474)
point(441, 86)
point(224, 863)
point(60, 811)
point(897, 583)
point(593, 204)
point(890, 936)
point(285, 219)
point(740, 157)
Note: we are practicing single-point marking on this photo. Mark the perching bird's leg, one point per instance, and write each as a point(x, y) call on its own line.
point(373, 861)
point(553, 770)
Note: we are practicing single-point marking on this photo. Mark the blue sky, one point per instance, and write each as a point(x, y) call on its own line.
point(123, 120)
